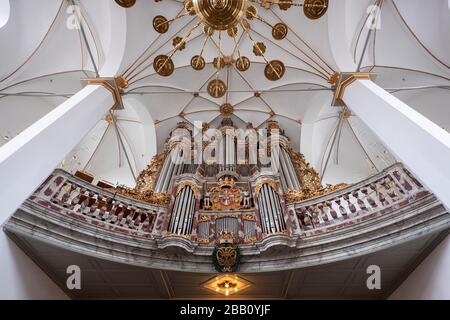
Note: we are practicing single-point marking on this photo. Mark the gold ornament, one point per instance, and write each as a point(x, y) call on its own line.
point(218, 63)
point(232, 32)
point(309, 180)
point(251, 12)
point(226, 196)
point(243, 63)
point(126, 3)
point(189, 7)
point(285, 4)
point(220, 14)
point(160, 24)
point(163, 65)
point(217, 88)
point(179, 43)
point(121, 82)
point(274, 70)
point(226, 109)
point(197, 63)
point(261, 183)
point(143, 191)
point(226, 257)
point(248, 217)
point(208, 31)
point(190, 184)
point(259, 49)
point(279, 31)
point(314, 9)
point(228, 60)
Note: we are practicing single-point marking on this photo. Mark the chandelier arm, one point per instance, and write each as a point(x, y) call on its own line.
point(153, 52)
point(149, 65)
point(236, 46)
point(220, 55)
point(275, 2)
point(326, 72)
point(238, 42)
point(127, 71)
point(203, 47)
point(179, 44)
point(178, 16)
point(323, 73)
point(259, 49)
point(305, 43)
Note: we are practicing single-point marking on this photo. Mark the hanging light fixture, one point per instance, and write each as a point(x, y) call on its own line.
point(227, 284)
point(227, 16)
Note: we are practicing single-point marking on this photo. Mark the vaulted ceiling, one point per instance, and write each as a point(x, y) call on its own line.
point(46, 57)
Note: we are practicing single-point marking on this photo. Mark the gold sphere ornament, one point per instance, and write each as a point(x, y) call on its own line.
point(197, 63)
point(217, 88)
point(160, 24)
point(220, 14)
point(163, 65)
point(279, 31)
point(314, 9)
point(126, 3)
point(274, 70)
point(243, 63)
point(259, 49)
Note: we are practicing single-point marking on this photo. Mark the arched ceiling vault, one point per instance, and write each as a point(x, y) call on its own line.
point(411, 60)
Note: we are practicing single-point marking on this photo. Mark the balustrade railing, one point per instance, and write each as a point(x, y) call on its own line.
point(73, 197)
point(379, 194)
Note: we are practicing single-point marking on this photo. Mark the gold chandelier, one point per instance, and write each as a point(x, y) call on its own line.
point(227, 16)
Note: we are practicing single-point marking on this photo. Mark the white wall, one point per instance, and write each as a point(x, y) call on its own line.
point(431, 278)
point(21, 278)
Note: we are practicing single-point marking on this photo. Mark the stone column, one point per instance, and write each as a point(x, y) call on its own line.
point(30, 158)
point(419, 143)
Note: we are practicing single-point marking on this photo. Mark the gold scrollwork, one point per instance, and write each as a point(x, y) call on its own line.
point(146, 180)
point(248, 217)
point(249, 239)
point(309, 180)
point(185, 236)
point(261, 183)
point(190, 184)
point(226, 257)
point(204, 218)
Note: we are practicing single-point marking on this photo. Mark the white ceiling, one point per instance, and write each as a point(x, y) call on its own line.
point(44, 60)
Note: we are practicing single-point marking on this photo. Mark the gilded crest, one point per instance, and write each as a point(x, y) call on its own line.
point(226, 257)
